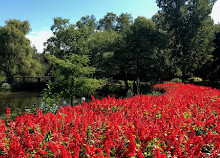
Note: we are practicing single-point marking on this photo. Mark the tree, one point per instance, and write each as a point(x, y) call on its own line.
point(68, 38)
point(67, 53)
point(186, 21)
point(124, 21)
point(101, 50)
point(59, 44)
point(73, 77)
point(111, 21)
point(108, 22)
point(15, 50)
point(215, 66)
point(87, 23)
point(137, 53)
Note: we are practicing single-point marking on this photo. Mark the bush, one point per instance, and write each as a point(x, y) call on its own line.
point(156, 93)
point(195, 79)
point(130, 93)
point(176, 80)
point(6, 87)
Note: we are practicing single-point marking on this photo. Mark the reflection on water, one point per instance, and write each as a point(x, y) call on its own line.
point(18, 101)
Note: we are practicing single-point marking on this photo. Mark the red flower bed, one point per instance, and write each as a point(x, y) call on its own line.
point(183, 122)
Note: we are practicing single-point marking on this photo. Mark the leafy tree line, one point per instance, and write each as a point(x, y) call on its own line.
point(180, 41)
point(17, 57)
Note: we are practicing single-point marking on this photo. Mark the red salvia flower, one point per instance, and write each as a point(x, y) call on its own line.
point(183, 122)
point(8, 112)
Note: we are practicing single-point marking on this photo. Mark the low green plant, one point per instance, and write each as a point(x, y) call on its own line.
point(5, 87)
point(130, 93)
point(195, 79)
point(156, 93)
point(176, 80)
point(50, 103)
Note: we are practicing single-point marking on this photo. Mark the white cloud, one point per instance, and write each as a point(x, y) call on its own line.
point(38, 38)
point(216, 12)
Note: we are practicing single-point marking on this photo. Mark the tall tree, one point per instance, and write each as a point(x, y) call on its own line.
point(68, 38)
point(67, 53)
point(101, 50)
point(88, 23)
point(108, 22)
point(111, 21)
point(15, 50)
point(124, 21)
point(186, 21)
point(215, 67)
point(137, 52)
point(59, 44)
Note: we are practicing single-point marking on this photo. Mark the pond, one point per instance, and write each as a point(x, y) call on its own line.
point(18, 101)
point(24, 101)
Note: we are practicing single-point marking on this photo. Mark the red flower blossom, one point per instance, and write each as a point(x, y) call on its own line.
point(182, 122)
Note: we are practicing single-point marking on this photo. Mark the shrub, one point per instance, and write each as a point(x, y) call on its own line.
point(157, 93)
point(50, 102)
point(176, 80)
point(5, 87)
point(195, 79)
point(130, 93)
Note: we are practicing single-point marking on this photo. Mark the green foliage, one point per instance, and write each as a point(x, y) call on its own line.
point(108, 22)
point(195, 79)
point(2, 79)
point(176, 80)
point(111, 89)
point(215, 67)
point(16, 54)
point(124, 21)
point(156, 93)
point(112, 22)
point(68, 38)
point(177, 42)
point(138, 54)
point(5, 87)
point(50, 102)
point(130, 93)
point(190, 31)
point(101, 50)
point(73, 77)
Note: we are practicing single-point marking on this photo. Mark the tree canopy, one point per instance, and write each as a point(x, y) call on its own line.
point(16, 53)
point(188, 23)
point(178, 41)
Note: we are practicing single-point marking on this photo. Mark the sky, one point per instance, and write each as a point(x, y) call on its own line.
point(40, 13)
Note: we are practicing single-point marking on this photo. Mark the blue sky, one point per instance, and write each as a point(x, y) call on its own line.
point(40, 13)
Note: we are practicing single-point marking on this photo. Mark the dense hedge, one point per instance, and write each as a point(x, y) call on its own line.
point(183, 122)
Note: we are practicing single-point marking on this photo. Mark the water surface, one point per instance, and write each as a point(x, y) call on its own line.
point(18, 101)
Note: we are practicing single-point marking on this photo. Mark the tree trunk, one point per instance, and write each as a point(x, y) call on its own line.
point(9, 77)
point(183, 76)
point(138, 85)
point(71, 91)
point(71, 100)
point(134, 87)
point(126, 85)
